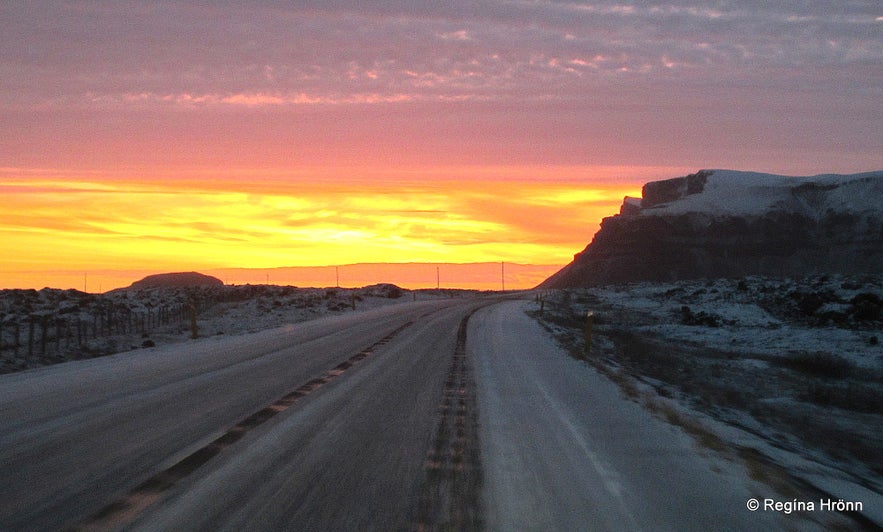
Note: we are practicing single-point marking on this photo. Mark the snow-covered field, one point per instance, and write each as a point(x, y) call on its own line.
point(737, 193)
point(78, 325)
point(795, 364)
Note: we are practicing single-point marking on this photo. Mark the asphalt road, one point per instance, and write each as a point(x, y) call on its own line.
point(122, 440)
point(453, 414)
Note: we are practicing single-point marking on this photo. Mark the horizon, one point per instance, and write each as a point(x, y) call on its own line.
point(493, 276)
point(325, 133)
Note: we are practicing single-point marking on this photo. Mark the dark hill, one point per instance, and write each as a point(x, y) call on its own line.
point(176, 280)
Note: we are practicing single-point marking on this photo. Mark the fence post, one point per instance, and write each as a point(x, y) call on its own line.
point(31, 336)
point(17, 335)
point(57, 335)
point(44, 326)
point(590, 322)
point(194, 332)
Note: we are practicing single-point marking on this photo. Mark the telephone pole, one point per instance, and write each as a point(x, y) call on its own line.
point(503, 275)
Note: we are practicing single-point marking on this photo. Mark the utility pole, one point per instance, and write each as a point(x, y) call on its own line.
point(437, 279)
point(85, 283)
point(337, 275)
point(503, 275)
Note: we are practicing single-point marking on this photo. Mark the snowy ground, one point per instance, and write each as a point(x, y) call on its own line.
point(81, 325)
point(787, 372)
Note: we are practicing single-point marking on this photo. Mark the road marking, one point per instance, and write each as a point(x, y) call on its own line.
point(451, 493)
point(125, 509)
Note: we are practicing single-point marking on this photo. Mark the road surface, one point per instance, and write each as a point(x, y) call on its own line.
point(457, 414)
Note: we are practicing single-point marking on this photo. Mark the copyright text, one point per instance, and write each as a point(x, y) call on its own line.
point(795, 505)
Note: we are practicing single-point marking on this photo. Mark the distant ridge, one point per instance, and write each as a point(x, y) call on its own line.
point(725, 223)
point(411, 275)
point(175, 280)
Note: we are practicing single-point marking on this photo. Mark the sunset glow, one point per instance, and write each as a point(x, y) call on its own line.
point(212, 223)
point(146, 137)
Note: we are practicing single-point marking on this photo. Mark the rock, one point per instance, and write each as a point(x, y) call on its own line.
point(659, 192)
point(707, 225)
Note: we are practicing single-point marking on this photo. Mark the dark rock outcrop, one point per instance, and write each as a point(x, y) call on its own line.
point(798, 227)
point(668, 190)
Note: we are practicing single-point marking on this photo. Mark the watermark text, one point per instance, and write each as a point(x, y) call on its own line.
point(796, 505)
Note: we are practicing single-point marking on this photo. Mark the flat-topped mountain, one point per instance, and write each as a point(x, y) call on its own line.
point(176, 280)
point(724, 223)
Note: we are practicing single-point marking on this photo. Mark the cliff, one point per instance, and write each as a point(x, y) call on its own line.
point(720, 223)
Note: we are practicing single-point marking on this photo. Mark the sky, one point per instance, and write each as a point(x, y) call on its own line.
point(177, 136)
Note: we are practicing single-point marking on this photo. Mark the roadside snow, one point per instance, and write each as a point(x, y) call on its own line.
point(564, 450)
point(790, 369)
point(80, 325)
point(745, 319)
point(730, 192)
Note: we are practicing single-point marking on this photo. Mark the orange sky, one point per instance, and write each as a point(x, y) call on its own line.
point(146, 137)
point(103, 231)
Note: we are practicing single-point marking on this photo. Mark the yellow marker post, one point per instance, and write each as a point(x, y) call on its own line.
point(590, 322)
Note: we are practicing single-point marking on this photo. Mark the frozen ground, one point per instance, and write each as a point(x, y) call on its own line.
point(718, 415)
point(80, 325)
point(789, 373)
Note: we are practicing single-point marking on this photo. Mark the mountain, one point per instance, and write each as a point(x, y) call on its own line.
point(724, 223)
point(176, 280)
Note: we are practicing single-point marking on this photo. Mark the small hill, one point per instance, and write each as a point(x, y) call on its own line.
point(176, 280)
point(724, 223)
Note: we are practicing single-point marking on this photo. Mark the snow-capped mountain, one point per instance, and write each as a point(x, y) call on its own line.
point(724, 223)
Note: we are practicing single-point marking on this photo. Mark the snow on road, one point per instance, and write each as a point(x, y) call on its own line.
point(564, 450)
point(76, 437)
point(561, 447)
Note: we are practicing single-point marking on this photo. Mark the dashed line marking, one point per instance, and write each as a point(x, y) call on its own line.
point(125, 509)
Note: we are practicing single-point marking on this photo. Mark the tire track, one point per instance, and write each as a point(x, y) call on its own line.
point(451, 495)
point(125, 509)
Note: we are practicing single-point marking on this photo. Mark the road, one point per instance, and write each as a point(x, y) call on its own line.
point(457, 414)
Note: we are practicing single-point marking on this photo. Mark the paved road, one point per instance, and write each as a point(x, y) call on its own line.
point(99, 442)
point(454, 414)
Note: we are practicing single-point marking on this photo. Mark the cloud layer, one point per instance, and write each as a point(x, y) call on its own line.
point(606, 79)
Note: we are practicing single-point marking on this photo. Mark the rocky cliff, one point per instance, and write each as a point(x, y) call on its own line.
point(719, 223)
